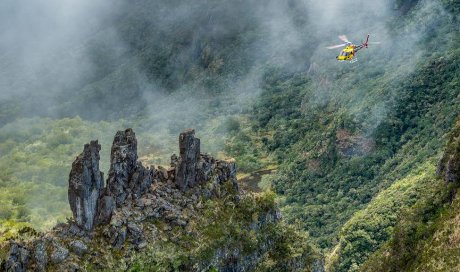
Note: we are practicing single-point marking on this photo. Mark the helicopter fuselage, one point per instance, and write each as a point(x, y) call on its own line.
point(347, 53)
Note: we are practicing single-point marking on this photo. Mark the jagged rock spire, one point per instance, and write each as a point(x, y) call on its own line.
point(85, 184)
point(131, 218)
point(127, 176)
point(189, 151)
point(123, 160)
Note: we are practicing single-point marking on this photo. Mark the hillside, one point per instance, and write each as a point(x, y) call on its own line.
point(356, 147)
point(427, 232)
point(191, 216)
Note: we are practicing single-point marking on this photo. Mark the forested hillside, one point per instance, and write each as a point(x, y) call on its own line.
point(350, 149)
point(358, 146)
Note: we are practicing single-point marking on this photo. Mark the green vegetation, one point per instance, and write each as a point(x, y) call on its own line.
point(355, 148)
point(420, 191)
point(225, 226)
point(424, 235)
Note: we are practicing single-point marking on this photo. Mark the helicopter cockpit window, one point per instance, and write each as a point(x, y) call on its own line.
point(344, 54)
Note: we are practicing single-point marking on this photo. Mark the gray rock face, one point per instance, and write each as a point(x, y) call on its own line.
point(90, 202)
point(106, 205)
point(136, 234)
point(225, 172)
point(41, 258)
point(17, 259)
point(85, 184)
point(78, 247)
point(59, 254)
point(123, 161)
point(205, 166)
point(140, 180)
point(118, 236)
point(189, 151)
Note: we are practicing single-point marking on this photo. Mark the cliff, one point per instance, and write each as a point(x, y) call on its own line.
point(191, 216)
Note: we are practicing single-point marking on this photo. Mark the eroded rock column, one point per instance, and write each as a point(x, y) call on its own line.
point(85, 184)
point(189, 151)
point(123, 160)
point(128, 178)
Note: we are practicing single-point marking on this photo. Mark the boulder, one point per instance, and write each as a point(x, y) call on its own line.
point(17, 259)
point(40, 256)
point(135, 233)
point(85, 184)
point(59, 254)
point(78, 247)
point(118, 236)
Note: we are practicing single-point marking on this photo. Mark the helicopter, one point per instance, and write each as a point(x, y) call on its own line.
point(350, 50)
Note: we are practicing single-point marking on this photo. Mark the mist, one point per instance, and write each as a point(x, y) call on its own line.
point(163, 66)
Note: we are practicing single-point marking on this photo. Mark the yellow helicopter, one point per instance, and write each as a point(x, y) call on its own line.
point(350, 50)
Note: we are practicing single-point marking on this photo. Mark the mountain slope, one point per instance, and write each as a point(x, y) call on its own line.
point(425, 235)
point(190, 217)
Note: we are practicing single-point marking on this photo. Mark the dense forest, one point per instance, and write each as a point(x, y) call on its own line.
point(352, 151)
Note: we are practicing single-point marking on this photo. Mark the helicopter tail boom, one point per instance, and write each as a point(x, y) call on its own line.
point(363, 45)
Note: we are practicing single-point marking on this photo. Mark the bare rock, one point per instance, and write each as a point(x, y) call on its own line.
point(59, 254)
point(136, 234)
point(140, 180)
point(174, 160)
point(225, 175)
point(17, 259)
point(78, 247)
point(85, 184)
point(123, 161)
point(106, 207)
point(189, 149)
point(40, 256)
point(205, 166)
point(118, 237)
point(162, 173)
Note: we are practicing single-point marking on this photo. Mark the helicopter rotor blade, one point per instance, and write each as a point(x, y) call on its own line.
point(374, 42)
point(336, 46)
point(344, 38)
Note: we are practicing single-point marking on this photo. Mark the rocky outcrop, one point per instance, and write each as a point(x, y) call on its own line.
point(59, 254)
point(144, 209)
point(18, 258)
point(189, 151)
point(85, 184)
point(128, 178)
point(123, 161)
point(40, 255)
point(192, 167)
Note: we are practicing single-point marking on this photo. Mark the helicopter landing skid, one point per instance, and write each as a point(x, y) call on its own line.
point(354, 60)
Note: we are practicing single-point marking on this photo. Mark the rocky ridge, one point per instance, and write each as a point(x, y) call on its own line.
point(146, 209)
